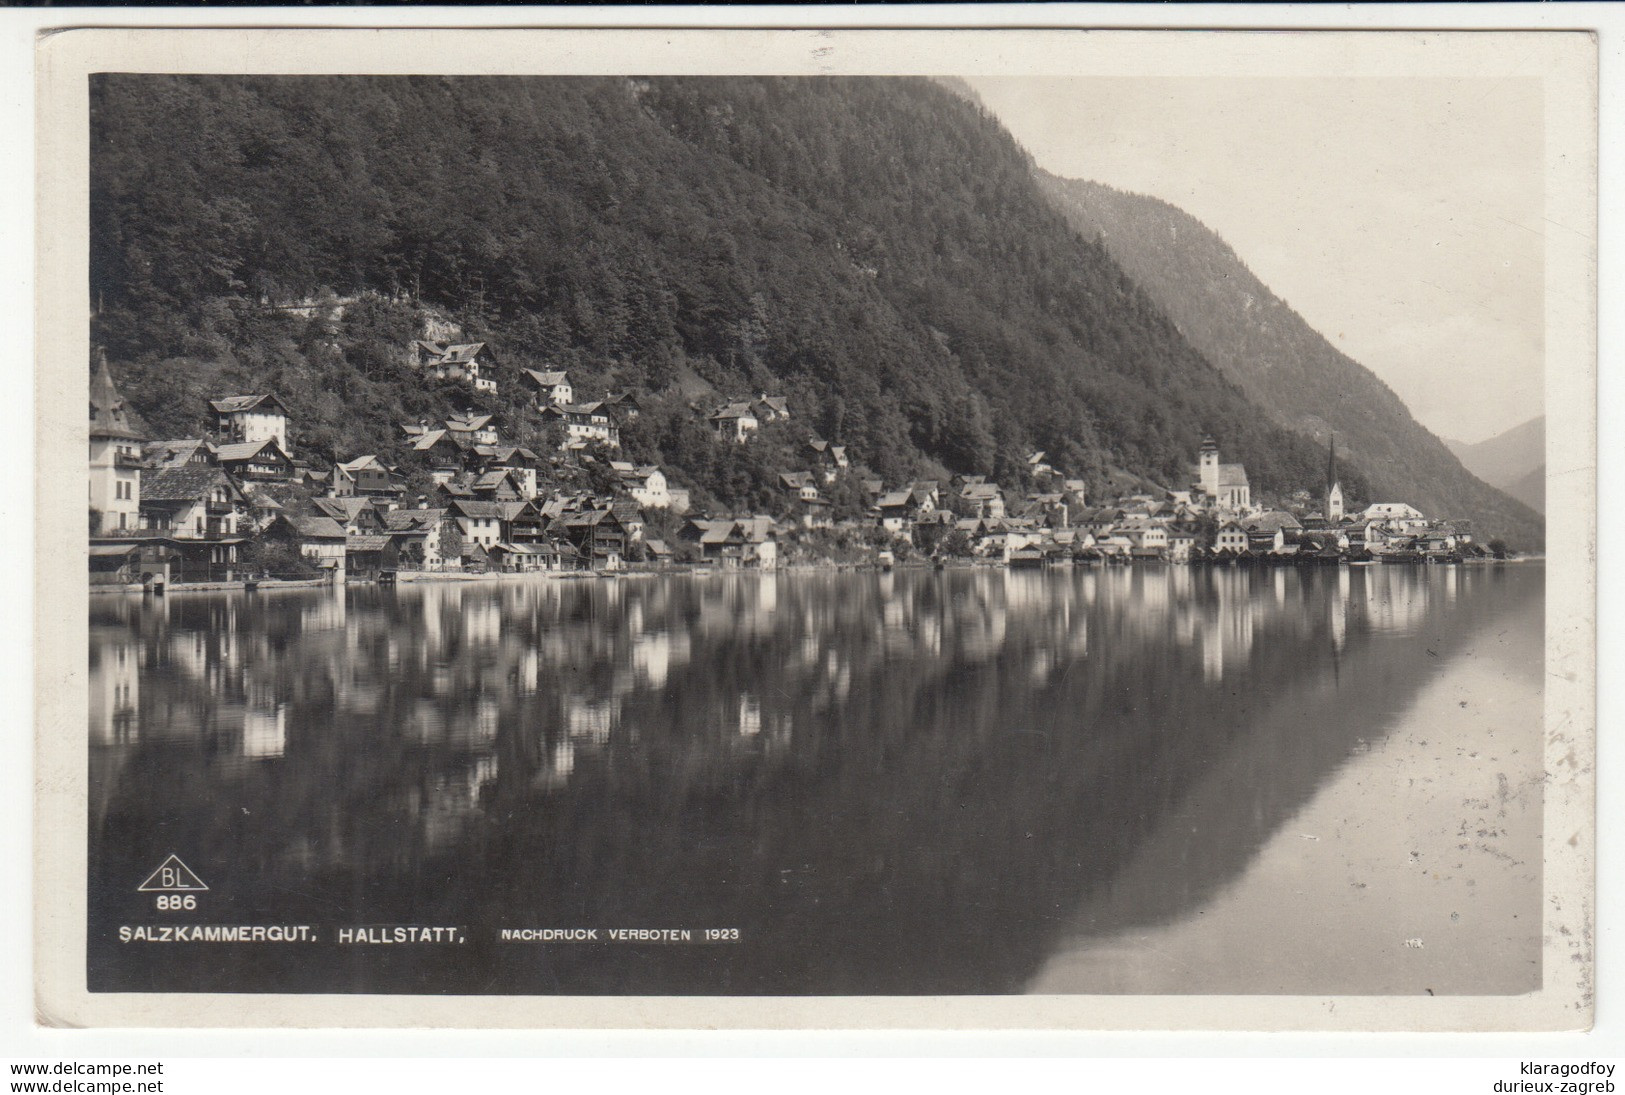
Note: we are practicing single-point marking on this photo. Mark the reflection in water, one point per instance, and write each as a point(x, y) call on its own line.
point(893, 783)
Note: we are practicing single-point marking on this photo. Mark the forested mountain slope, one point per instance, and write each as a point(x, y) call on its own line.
point(1284, 365)
point(875, 249)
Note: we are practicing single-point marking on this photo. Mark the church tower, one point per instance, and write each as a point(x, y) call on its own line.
point(1334, 489)
point(115, 456)
point(1208, 467)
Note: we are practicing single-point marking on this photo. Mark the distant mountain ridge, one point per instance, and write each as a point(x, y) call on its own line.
point(1284, 366)
point(1513, 461)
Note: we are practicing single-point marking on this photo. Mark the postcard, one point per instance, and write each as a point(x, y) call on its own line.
point(794, 528)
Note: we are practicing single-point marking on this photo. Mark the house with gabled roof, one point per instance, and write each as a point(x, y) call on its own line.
point(770, 408)
point(622, 406)
point(743, 542)
point(524, 558)
point(479, 521)
point(647, 485)
point(811, 509)
point(471, 363)
point(1230, 538)
point(1397, 517)
point(1182, 542)
point(598, 534)
point(1143, 532)
point(440, 450)
point(981, 500)
point(365, 475)
point(249, 418)
point(497, 485)
point(520, 463)
point(419, 536)
point(161, 455)
point(829, 459)
point(319, 538)
point(198, 501)
point(898, 509)
point(584, 424)
point(1272, 531)
point(472, 429)
point(553, 389)
point(264, 460)
point(357, 514)
point(367, 556)
point(735, 421)
point(195, 511)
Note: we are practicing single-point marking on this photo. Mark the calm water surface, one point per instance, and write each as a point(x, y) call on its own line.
point(1155, 779)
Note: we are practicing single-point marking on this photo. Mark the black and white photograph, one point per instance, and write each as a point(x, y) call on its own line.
point(1018, 531)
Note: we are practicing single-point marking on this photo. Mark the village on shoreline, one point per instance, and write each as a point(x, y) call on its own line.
point(237, 507)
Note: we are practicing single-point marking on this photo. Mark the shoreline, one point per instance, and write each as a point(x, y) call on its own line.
point(421, 576)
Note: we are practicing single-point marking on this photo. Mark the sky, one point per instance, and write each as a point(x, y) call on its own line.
point(1402, 218)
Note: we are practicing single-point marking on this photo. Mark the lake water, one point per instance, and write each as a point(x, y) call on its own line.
point(1152, 779)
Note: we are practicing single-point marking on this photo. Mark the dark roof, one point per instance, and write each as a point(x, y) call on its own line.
point(246, 450)
point(365, 543)
point(109, 416)
point(236, 404)
point(410, 520)
point(1273, 521)
point(342, 509)
point(469, 508)
point(588, 517)
point(172, 454)
point(324, 528)
point(183, 484)
point(461, 352)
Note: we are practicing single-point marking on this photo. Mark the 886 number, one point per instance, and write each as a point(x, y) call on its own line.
point(175, 902)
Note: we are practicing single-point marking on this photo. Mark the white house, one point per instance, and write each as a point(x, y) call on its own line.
point(647, 486)
point(246, 418)
point(473, 429)
point(1397, 516)
point(479, 522)
point(735, 422)
point(1230, 537)
point(469, 362)
point(584, 423)
point(552, 388)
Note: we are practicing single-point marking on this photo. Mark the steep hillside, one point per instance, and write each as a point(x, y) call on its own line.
point(1284, 365)
point(1514, 462)
point(875, 249)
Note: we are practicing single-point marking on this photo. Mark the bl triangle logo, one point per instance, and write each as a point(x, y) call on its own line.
point(172, 874)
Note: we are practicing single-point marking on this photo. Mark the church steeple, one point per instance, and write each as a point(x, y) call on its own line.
point(109, 416)
point(1334, 489)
